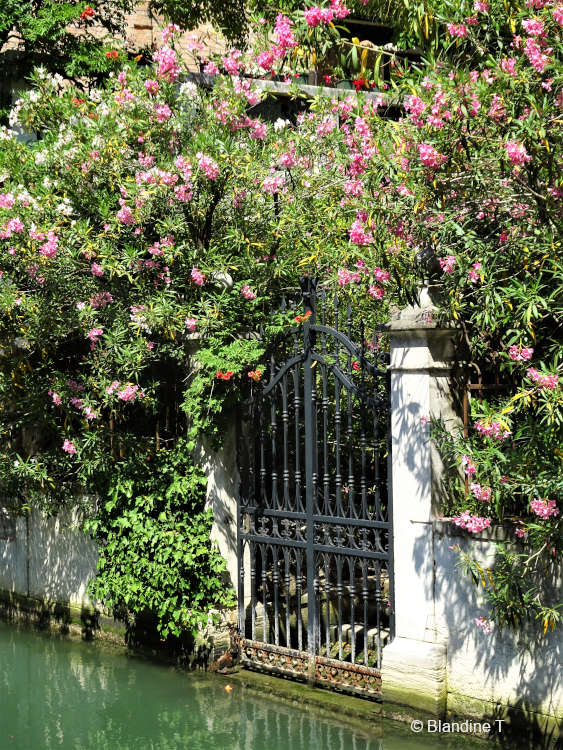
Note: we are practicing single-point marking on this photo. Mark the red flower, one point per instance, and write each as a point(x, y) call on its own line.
point(355, 365)
point(112, 54)
point(77, 102)
point(303, 318)
point(88, 12)
point(255, 375)
point(224, 375)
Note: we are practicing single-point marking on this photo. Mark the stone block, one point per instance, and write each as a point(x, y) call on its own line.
point(414, 675)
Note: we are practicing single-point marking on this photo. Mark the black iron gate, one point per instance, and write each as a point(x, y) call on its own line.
point(314, 518)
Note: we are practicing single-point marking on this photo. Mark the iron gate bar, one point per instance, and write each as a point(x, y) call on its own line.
point(319, 550)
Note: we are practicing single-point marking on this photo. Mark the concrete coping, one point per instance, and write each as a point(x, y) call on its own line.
point(287, 89)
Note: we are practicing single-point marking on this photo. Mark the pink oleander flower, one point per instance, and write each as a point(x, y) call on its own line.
point(414, 105)
point(49, 249)
point(283, 36)
point(538, 56)
point(96, 269)
point(265, 60)
point(517, 153)
point(167, 63)
point(129, 393)
point(558, 14)
point(7, 200)
point(457, 29)
point(210, 68)
point(533, 27)
point(340, 10)
point(163, 112)
point(447, 264)
point(481, 493)
point(480, 6)
point(315, 15)
point(492, 429)
point(508, 65)
point(377, 292)
point(430, 157)
point(247, 292)
point(15, 225)
point(287, 159)
point(468, 466)
point(197, 277)
point(125, 215)
point(209, 167)
point(353, 187)
point(232, 62)
point(358, 234)
point(544, 508)
point(170, 32)
point(191, 324)
point(473, 274)
point(521, 532)
point(484, 624)
point(113, 387)
point(543, 381)
point(258, 130)
point(273, 184)
point(100, 299)
point(348, 277)
point(90, 414)
point(57, 400)
point(519, 354)
point(94, 334)
point(69, 447)
point(381, 275)
point(152, 86)
point(471, 523)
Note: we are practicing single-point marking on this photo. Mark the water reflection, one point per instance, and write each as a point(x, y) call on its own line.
point(56, 694)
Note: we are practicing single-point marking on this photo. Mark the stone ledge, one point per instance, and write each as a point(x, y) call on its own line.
point(530, 728)
point(62, 615)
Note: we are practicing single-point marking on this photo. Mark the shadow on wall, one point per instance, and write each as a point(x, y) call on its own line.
point(62, 559)
point(222, 492)
point(518, 674)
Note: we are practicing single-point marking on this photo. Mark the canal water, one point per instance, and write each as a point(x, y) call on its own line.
point(56, 693)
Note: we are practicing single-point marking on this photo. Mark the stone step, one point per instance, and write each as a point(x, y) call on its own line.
point(359, 635)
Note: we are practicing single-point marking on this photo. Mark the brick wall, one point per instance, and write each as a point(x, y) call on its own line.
point(143, 30)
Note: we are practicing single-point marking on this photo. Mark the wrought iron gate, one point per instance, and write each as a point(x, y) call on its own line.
point(314, 517)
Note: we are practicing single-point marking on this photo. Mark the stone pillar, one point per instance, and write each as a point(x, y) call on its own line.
point(414, 663)
point(222, 481)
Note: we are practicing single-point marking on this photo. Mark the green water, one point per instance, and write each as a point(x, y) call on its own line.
point(56, 693)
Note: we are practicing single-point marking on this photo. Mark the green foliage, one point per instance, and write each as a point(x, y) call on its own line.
point(53, 34)
point(155, 550)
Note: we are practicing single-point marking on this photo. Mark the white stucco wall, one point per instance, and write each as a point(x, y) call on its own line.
point(522, 670)
point(48, 558)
